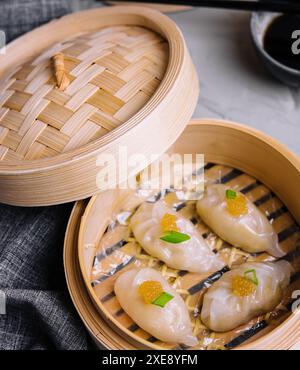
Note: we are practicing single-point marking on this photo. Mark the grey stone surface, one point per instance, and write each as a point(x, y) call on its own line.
point(234, 84)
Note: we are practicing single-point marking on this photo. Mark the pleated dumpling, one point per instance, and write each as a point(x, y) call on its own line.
point(167, 319)
point(243, 293)
point(152, 221)
point(237, 220)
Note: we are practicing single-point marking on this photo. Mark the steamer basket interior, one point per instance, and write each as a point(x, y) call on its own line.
point(234, 154)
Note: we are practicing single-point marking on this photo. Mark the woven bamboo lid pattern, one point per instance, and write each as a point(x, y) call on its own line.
point(128, 76)
point(113, 73)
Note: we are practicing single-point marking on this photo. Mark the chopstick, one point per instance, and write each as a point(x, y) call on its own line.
point(269, 6)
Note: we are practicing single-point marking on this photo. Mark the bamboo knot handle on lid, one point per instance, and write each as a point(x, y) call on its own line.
point(61, 75)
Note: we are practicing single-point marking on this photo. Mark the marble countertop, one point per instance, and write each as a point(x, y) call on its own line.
point(234, 84)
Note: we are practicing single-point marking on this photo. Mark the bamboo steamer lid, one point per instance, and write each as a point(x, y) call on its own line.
point(85, 85)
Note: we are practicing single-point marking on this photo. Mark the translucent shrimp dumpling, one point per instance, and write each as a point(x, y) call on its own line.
point(243, 293)
point(237, 220)
point(155, 306)
point(173, 239)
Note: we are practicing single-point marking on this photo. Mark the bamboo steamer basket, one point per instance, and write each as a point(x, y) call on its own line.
point(250, 155)
point(129, 75)
point(101, 333)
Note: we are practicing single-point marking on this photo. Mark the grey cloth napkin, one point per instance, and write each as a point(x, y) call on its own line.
point(20, 16)
point(39, 311)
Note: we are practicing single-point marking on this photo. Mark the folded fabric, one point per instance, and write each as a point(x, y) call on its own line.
point(20, 16)
point(39, 311)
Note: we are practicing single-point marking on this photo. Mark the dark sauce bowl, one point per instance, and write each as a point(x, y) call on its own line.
point(260, 22)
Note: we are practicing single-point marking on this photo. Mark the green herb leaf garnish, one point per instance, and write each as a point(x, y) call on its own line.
point(163, 299)
point(175, 237)
point(253, 278)
point(230, 194)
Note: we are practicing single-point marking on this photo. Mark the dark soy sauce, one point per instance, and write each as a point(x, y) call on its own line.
point(278, 40)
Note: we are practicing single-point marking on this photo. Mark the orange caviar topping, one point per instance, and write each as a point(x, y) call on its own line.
point(171, 198)
point(242, 287)
point(168, 223)
point(237, 206)
point(150, 290)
